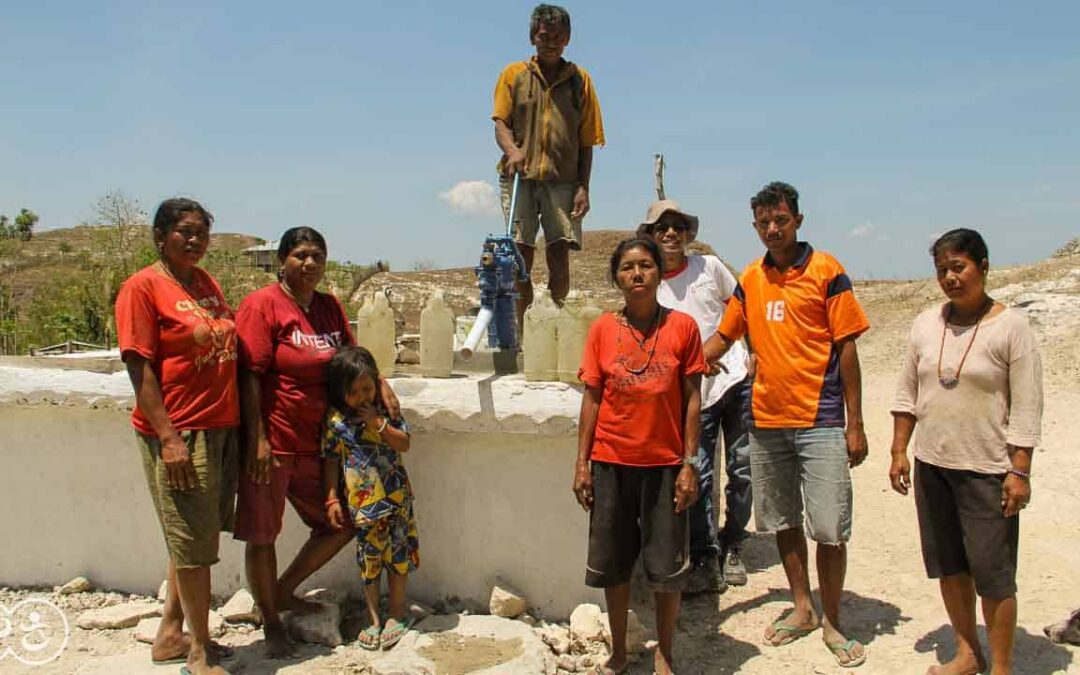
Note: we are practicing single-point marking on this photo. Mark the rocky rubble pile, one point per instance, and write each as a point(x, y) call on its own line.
point(448, 637)
point(1071, 248)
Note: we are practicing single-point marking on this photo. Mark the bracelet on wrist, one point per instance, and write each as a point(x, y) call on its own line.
point(1026, 475)
point(382, 427)
point(332, 501)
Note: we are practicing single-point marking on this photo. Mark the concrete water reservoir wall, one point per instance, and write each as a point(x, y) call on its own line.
point(491, 462)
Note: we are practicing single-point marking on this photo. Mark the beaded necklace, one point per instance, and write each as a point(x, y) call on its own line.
point(623, 321)
point(946, 377)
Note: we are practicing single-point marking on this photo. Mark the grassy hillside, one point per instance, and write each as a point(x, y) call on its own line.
point(61, 284)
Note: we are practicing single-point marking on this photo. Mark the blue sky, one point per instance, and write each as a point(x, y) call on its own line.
point(895, 122)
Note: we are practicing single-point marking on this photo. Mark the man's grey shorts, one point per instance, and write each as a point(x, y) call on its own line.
point(793, 467)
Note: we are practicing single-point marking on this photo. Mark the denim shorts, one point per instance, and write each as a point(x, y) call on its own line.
point(791, 468)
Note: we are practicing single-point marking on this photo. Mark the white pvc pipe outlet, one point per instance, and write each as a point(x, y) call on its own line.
point(478, 328)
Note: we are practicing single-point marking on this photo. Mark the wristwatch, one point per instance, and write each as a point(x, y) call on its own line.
point(694, 461)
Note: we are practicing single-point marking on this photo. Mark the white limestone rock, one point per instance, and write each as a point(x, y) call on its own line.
point(567, 662)
point(125, 615)
point(506, 603)
point(556, 637)
point(241, 608)
point(585, 623)
point(322, 626)
point(528, 620)
point(147, 628)
point(635, 632)
point(419, 611)
point(163, 590)
point(408, 355)
point(76, 585)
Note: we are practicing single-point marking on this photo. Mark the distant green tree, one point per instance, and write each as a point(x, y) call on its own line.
point(24, 224)
point(5, 227)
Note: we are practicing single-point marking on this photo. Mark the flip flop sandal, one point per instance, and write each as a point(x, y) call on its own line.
point(375, 633)
point(838, 648)
point(793, 633)
point(391, 636)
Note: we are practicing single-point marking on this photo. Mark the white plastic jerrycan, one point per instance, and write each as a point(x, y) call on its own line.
point(571, 333)
point(436, 337)
point(375, 330)
point(541, 342)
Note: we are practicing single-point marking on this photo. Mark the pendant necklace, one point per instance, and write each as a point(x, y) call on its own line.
point(199, 311)
point(649, 353)
point(947, 378)
point(169, 273)
point(288, 291)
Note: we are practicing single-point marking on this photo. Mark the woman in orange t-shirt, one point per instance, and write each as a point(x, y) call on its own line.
point(636, 469)
point(178, 340)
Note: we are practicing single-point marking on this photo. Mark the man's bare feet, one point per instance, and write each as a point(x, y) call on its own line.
point(962, 664)
point(202, 664)
point(662, 665)
point(277, 642)
point(612, 667)
point(170, 646)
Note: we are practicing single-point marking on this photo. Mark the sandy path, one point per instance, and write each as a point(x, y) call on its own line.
point(889, 604)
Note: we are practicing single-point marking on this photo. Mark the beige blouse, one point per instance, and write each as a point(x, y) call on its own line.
point(997, 401)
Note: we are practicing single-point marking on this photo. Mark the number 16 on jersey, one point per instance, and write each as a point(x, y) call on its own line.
point(774, 310)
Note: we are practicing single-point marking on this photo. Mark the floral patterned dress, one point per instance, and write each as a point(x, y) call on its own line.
point(379, 495)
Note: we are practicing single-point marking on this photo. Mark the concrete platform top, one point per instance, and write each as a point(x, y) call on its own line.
point(466, 403)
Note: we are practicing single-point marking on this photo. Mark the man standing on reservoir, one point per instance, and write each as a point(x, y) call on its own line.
point(799, 310)
point(547, 120)
point(700, 285)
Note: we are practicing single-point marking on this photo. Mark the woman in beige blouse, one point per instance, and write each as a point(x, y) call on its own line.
point(971, 384)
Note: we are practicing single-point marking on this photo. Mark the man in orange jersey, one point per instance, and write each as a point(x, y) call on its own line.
point(547, 120)
point(806, 427)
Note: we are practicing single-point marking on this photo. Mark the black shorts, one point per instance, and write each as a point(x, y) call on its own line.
point(634, 512)
point(964, 530)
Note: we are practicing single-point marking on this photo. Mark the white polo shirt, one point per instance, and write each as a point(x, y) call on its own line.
point(701, 289)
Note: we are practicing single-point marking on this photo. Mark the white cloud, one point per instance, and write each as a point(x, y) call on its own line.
point(861, 231)
point(867, 231)
point(473, 197)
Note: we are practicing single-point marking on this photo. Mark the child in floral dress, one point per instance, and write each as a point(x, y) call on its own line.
point(378, 498)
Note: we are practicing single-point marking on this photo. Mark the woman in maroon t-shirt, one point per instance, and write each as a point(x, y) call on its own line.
point(288, 332)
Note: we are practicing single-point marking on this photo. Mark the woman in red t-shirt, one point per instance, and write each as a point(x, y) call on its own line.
point(637, 446)
point(288, 333)
point(178, 340)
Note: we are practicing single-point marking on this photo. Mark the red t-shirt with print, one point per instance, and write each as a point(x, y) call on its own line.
point(290, 348)
point(640, 421)
point(189, 339)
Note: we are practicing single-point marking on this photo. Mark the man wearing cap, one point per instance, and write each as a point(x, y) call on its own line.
point(547, 120)
point(700, 285)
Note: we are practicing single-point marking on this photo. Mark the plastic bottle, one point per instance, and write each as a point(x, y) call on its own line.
point(376, 331)
point(436, 337)
point(541, 344)
point(571, 337)
point(589, 312)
